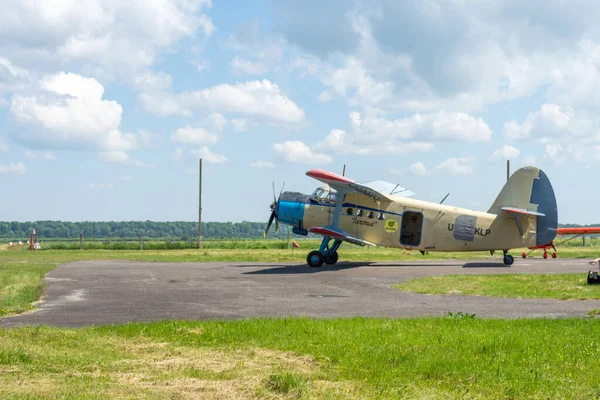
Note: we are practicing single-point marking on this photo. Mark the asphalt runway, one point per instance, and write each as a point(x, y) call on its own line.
point(109, 292)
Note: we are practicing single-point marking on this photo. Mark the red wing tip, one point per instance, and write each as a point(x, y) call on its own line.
point(329, 176)
point(325, 231)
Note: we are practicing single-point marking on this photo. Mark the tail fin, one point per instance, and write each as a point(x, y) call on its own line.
point(529, 189)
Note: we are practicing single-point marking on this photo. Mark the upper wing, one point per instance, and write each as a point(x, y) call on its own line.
point(376, 190)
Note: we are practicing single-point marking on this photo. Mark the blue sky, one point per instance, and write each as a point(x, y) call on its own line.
point(106, 106)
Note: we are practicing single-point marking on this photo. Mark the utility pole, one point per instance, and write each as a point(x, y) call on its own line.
point(200, 206)
point(507, 170)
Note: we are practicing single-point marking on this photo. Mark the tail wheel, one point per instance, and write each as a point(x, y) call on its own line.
point(524, 255)
point(331, 259)
point(545, 254)
point(314, 259)
point(553, 255)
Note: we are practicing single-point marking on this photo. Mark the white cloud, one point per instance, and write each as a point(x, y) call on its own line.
point(374, 134)
point(505, 153)
point(124, 178)
point(248, 67)
point(111, 38)
point(45, 155)
point(12, 77)
point(550, 121)
point(448, 55)
point(13, 168)
point(529, 160)
point(457, 166)
point(201, 65)
point(261, 99)
point(197, 136)
point(145, 138)
point(152, 82)
point(553, 150)
point(3, 146)
point(209, 156)
point(395, 171)
point(108, 185)
point(418, 168)
point(120, 157)
point(239, 125)
point(262, 164)
point(249, 39)
point(69, 113)
point(177, 155)
point(298, 152)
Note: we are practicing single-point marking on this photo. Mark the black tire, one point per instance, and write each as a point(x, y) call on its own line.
point(331, 259)
point(314, 259)
point(508, 259)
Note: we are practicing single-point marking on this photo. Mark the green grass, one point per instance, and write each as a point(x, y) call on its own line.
point(540, 286)
point(21, 284)
point(437, 358)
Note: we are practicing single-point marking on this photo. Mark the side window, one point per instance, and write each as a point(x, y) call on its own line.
point(359, 212)
point(371, 214)
point(380, 216)
point(350, 211)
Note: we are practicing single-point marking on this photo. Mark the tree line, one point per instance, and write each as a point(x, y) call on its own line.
point(181, 230)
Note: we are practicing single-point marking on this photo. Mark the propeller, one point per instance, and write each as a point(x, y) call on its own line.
point(273, 207)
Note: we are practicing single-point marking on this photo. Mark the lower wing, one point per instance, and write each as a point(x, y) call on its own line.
point(339, 235)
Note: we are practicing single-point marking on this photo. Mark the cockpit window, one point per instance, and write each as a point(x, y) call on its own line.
point(324, 195)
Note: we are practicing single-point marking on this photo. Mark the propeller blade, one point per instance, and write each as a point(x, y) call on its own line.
point(269, 223)
point(281, 189)
point(276, 226)
point(274, 198)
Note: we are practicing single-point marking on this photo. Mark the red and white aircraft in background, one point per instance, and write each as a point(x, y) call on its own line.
point(576, 232)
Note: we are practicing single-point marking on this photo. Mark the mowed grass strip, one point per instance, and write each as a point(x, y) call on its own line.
point(566, 286)
point(20, 286)
point(433, 358)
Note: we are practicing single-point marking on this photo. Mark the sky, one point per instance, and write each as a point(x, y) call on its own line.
point(107, 106)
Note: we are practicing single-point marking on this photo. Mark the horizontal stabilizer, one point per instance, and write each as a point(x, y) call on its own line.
point(339, 235)
point(522, 211)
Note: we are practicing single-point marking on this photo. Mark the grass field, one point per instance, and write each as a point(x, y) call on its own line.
point(457, 357)
point(569, 286)
point(441, 358)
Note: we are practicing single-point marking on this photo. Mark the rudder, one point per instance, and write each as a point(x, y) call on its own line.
point(529, 188)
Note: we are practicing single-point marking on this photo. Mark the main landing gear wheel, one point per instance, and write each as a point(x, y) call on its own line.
point(331, 258)
point(315, 259)
point(508, 259)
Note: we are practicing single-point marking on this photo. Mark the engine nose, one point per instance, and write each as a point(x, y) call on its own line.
point(290, 208)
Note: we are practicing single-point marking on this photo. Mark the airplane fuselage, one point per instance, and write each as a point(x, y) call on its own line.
point(402, 222)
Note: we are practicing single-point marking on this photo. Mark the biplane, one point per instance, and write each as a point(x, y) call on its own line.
point(379, 213)
point(572, 232)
